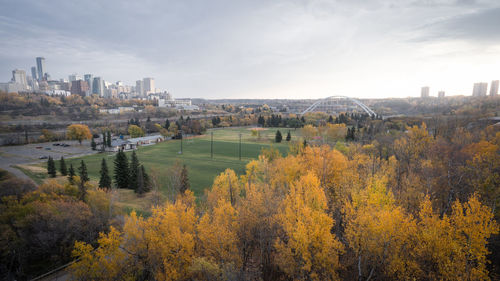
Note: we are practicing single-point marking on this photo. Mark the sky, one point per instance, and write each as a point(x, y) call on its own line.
point(260, 49)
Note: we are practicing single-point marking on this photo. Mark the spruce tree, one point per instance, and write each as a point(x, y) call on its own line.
point(133, 171)
point(108, 139)
point(121, 176)
point(51, 167)
point(71, 174)
point(82, 170)
point(304, 143)
point(147, 182)
point(184, 180)
point(278, 136)
point(330, 119)
point(64, 170)
point(140, 183)
point(105, 180)
point(167, 124)
point(288, 136)
point(93, 144)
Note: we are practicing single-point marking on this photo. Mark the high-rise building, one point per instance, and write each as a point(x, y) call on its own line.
point(494, 88)
point(98, 86)
point(139, 88)
point(88, 78)
point(33, 73)
point(40, 66)
point(19, 77)
point(424, 93)
point(480, 89)
point(148, 85)
point(74, 77)
point(441, 94)
point(79, 87)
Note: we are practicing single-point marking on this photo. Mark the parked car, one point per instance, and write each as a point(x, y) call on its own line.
point(65, 145)
point(48, 148)
point(38, 147)
point(56, 144)
point(43, 157)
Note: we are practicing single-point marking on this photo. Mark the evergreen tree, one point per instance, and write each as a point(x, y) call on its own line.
point(82, 170)
point(105, 180)
point(304, 143)
point(51, 167)
point(145, 176)
point(93, 144)
point(103, 144)
point(140, 182)
point(167, 124)
point(121, 176)
point(288, 136)
point(330, 119)
point(63, 169)
point(184, 180)
point(108, 138)
point(278, 136)
point(134, 171)
point(71, 174)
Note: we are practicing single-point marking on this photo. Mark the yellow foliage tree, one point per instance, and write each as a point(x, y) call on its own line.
point(78, 132)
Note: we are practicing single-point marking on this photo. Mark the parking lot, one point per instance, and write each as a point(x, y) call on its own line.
point(37, 152)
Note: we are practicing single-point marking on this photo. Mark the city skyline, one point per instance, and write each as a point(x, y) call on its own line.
point(259, 49)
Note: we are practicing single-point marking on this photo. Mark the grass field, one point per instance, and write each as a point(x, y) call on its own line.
point(196, 155)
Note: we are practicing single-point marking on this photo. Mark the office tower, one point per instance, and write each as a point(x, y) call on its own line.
point(441, 94)
point(139, 88)
point(79, 87)
point(74, 77)
point(40, 65)
point(98, 86)
point(494, 88)
point(148, 85)
point(480, 89)
point(88, 78)
point(424, 93)
point(33, 73)
point(19, 77)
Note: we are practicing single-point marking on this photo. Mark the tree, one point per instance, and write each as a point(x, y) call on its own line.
point(78, 132)
point(82, 170)
point(288, 136)
point(121, 175)
point(167, 124)
point(134, 168)
point(141, 188)
point(63, 169)
point(93, 144)
point(184, 180)
point(108, 139)
point(71, 174)
point(278, 136)
point(105, 180)
point(135, 131)
point(51, 167)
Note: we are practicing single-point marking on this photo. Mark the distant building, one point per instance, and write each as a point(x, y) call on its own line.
point(79, 87)
point(98, 86)
point(74, 77)
point(33, 73)
point(19, 77)
point(424, 93)
point(139, 88)
point(480, 89)
point(40, 66)
point(89, 79)
point(494, 88)
point(11, 87)
point(148, 140)
point(441, 94)
point(149, 85)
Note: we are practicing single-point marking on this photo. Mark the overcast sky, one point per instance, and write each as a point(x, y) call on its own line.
point(260, 49)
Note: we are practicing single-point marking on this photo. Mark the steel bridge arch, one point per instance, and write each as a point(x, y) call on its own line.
point(355, 101)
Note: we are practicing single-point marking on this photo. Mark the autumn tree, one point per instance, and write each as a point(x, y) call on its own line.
point(78, 132)
point(135, 131)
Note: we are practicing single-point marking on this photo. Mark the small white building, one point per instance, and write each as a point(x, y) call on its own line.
point(119, 144)
point(148, 140)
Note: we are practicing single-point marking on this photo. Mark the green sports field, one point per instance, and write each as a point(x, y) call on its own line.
point(196, 154)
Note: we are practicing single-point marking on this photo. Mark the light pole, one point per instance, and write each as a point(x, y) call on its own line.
point(240, 147)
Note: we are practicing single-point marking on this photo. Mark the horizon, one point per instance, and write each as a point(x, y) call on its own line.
point(279, 50)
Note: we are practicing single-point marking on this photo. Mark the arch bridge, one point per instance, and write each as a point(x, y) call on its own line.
point(334, 103)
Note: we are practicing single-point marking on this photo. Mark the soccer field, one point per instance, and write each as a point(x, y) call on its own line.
point(196, 155)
